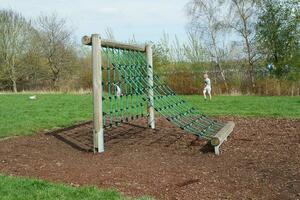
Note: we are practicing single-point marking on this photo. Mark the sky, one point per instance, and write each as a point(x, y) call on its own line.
point(145, 19)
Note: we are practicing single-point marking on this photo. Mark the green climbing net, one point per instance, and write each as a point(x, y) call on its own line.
point(125, 97)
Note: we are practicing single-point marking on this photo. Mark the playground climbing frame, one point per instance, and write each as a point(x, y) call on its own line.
point(124, 87)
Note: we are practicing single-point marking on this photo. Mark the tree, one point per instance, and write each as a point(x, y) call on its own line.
point(55, 44)
point(109, 33)
point(36, 70)
point(193, 49)
point(242, 20)
point(14, 36)
point(207, 19)
point(278, 31)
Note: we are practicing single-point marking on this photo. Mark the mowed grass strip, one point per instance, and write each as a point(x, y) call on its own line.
point(15, 188)
point(248, 106)
point(21, 116)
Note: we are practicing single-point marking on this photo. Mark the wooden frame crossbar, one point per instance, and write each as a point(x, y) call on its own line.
point(87, 40)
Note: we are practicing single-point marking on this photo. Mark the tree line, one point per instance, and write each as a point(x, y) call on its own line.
point(258, 39)
point(35, 54)
point(241, 43)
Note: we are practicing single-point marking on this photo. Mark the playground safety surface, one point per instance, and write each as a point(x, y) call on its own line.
point(261, 160)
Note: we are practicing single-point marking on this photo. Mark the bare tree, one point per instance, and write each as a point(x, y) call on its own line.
point(14, 34)
point(55, 44)
point(36, 69)
point(132, 40)
point(177, 50)
point(206, 18)
point(165, 45)
point(193, 49)
point(242, 20)
point(109, 33)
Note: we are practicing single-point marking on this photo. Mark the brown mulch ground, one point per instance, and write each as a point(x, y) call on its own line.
point(261, 160)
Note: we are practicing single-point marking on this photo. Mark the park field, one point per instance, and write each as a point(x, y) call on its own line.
point(21, 116)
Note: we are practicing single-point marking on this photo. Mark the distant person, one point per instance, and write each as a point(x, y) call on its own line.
point(118, 91)
point(207, 86)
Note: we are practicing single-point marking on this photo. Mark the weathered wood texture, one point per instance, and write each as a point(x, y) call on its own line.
point(221, 136)
point(97, 94)
point(113, 44)
point(151, 119)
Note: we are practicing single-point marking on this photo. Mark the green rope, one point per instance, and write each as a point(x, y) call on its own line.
point(128, 70)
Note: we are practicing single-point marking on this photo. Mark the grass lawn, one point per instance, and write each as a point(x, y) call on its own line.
point(248, 106)
point(12, 188)
point(21, 116)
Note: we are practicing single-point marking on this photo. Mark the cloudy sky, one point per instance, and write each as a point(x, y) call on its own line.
point(146, 19)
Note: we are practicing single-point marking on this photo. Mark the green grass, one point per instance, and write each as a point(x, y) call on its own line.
point(248, 106)
point(13, 188)
point(21, 116)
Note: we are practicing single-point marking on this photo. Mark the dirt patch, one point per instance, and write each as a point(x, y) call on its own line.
point(261, 160)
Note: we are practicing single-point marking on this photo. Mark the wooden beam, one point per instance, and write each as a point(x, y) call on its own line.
point(120, 45)
point(97, 94)
point(149, 57)
point(86, 40)
point(221, 136)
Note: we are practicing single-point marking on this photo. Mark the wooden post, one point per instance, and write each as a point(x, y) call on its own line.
point(151, 119)
point(98, 135)
point(221, 136)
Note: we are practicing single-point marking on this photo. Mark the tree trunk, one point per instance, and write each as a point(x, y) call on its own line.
point(55, 81)
point(15, 90)
point(252, 79)
point(223, 77)
point(13, 75)
point(55, 73)
point(216, 54)
point(249, 54)
point(242, 12)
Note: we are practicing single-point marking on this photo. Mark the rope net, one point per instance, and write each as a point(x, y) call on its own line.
point(126, 89)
